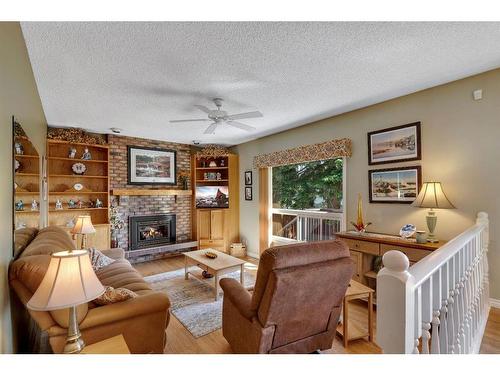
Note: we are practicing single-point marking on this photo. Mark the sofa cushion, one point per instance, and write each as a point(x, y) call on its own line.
point(48, 241)
point(120, 274)
point(112, 295)
point(22, 238)
point(29, 271)
point(98, 259)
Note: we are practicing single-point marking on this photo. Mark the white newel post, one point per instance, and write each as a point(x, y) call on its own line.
point(395, 305)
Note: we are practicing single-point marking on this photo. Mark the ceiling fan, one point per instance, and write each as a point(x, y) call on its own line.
point(218, 116)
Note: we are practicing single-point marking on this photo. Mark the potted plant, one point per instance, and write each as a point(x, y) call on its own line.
point(116, 225)
point(183, 178)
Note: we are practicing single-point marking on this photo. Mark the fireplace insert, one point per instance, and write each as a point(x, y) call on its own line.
point(151, 231)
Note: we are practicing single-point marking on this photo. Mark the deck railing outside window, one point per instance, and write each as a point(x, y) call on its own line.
point(305, 225)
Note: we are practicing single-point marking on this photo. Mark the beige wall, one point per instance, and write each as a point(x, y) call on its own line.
point(460, 148)
point(19, 97)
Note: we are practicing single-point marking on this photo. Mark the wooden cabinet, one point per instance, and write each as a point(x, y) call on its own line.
point(357, 257)
point(216, 228)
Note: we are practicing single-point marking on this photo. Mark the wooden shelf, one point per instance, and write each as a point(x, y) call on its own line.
point(27, 212)
point(204, 168)
point(27, 156)
point(130, 192)
point(26, 174)
point(371, 274)
point(56, 141)
point(26, 192)
point(76, 160)
point(78, 209)
point(75, 176)
point(76, 192)
point(207, 181)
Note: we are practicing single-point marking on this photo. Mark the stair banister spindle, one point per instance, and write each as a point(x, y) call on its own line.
point(418, 325)
point(436, 311)
point(443, 328)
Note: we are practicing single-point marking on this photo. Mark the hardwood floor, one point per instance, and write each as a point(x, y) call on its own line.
point(180, 341)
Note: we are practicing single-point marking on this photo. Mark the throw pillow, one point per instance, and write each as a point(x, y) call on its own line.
point(98, 259)
point(112, 295)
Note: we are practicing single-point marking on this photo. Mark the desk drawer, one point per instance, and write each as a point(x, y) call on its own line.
point(363, 246)
point(414, 255)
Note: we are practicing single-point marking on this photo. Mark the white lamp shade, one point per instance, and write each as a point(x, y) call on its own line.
point(69, 281)
point(432, 196)
point(83, 225)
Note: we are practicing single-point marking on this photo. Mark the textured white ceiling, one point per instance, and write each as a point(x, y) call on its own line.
point(138, 76)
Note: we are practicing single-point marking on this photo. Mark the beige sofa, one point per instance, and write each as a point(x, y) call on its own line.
point(142, 320)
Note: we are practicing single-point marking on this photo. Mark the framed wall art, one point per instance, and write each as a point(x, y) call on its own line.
point(396, 144)
point(248, 177)
point(248, 193)
point(151, 166)
point(395, 185)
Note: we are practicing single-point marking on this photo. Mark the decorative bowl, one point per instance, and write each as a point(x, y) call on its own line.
point(78, 168)
point(210, 255)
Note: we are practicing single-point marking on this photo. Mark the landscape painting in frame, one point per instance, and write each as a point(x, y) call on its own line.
point(400, 143)
point(397, 185)
point(151, 166)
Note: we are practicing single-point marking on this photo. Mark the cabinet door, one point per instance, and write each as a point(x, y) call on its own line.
point(204, 217)
point(217, 224)
point(357, 257)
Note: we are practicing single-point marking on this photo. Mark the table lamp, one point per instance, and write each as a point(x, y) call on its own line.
point(432, 196)
point(69, 282)
point(83, 226)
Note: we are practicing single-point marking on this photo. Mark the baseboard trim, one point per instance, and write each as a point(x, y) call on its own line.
point(495, 303)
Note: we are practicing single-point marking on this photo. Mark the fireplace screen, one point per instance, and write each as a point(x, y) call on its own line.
point(150, 231)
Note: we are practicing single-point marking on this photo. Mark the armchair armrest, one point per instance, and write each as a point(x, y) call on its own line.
point(239, 296)
point(114, 253)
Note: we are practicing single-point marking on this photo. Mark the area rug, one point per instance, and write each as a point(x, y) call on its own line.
point(192, 301)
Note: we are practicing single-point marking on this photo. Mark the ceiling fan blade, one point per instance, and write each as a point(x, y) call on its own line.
point(191, 120)
point(240, 116)
point(202, 108)
point(241, 126)
point(210, 129)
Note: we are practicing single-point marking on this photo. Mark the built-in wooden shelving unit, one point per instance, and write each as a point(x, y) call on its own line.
point(27, 183)
point(95, 181)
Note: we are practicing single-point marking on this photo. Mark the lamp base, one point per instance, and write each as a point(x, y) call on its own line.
point(74, 342)
point(431, 225)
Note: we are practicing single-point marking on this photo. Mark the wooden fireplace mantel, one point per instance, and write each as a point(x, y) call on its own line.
point(121, 192)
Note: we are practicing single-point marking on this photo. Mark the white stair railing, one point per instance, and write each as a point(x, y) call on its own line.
point(440, 304)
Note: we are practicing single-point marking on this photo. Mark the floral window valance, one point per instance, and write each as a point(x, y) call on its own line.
point(320, 151)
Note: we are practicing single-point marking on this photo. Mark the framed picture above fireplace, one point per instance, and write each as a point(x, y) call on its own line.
point(151, 166)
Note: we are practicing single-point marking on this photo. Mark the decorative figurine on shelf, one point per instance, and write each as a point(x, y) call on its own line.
point(79, 203)
point(19, 148)
point(222, 163)
point(71, 203)
point(34, 205)
point(98, 203)
point(59, 205)
point(205, 176)
point(212, 164)
point(203, 163)
point(219, 176)
point(19, 205)
point(17, 165)
point(86, 154)
point(360, 224)
point(91, 204)
point(72, 153)
point(21, 225)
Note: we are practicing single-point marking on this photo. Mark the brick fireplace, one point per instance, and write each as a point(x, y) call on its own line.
point(137, 206)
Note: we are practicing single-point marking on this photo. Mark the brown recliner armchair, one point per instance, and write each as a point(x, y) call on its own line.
point(296, 301)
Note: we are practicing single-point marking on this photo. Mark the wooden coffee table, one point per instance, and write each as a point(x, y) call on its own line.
point(219, 266)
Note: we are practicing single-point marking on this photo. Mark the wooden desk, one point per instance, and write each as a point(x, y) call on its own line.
point(365, 247)
point(350, 332)
point(113, 345)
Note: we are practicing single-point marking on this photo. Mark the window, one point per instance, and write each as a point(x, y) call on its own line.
point(307, 200)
